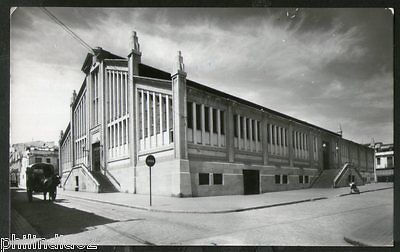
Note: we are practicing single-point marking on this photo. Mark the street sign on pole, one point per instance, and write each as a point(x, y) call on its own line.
point(150, 161)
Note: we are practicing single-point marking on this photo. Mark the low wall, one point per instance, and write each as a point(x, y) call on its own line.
point(85, 183)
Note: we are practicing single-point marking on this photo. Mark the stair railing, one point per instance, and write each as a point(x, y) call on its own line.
point(86, 171)
point(342, 171)
point(108, 174)
point(317, 178)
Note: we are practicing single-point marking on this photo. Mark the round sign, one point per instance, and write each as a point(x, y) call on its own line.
point(150, 160)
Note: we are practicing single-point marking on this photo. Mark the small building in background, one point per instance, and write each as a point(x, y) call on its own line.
point(25, 154)
point(384, 162)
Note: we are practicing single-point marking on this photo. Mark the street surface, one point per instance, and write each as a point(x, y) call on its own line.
point(315, 223)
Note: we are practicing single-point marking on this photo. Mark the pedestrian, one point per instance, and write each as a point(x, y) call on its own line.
point(353, 188)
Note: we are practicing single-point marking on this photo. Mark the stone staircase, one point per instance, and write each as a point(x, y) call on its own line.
point(105, 184)
point(326, 178)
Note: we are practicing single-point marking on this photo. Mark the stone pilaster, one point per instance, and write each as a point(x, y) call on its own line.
point(134, 59)
point(179, 109)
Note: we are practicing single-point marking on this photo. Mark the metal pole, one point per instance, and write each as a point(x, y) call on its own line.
point(150, 183)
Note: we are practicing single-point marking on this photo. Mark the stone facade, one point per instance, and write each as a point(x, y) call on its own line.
point(206, 142)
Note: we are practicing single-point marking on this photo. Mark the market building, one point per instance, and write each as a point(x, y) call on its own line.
point(206, 142)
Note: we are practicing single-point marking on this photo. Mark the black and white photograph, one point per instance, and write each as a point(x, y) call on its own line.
point(201, 126)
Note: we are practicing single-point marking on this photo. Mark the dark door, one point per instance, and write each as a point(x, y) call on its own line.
point(96, 157)
point(325, 155)
point(251, 181)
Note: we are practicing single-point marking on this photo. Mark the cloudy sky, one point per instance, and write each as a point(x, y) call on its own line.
point(323, 66)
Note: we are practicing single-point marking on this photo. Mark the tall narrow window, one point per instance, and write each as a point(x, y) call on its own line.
point(222, 122)
point(235, 126)
point(247, 128)
point(282, 143)
point(215, 122)
point(198, 117)
point(189, 115)
point(241, 127)
point(258, 132)
point(253, 130)
point(206, 119)
point(268, 133)
point(273, 134)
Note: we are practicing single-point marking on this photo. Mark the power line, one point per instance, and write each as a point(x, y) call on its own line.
point(65, 27)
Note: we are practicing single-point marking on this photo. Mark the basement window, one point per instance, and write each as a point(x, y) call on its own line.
point(284, 179)
point(204, 179)
point(277, 179)
point(217, 177)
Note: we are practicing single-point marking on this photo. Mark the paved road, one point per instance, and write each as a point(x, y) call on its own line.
point(323, 222)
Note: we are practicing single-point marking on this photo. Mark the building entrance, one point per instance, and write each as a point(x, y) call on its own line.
point(251, 181)
point(325, 155)
point(96, 157)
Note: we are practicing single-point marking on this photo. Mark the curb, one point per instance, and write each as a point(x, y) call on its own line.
point(201, 212)
point(372, 190)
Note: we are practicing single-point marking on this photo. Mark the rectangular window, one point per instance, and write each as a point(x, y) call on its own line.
point(282, 137)
point(247, 128)
point(273, 134)
point(189, 115)
point(48, 160)
point(389, 162)
point(286, 137)
point(204, 179)
point(198, 117)
point(306, 179)
point(215, 123)
point(300, 179)
point(253, 130)
point(206, 119)
point(217, 177)
point(38, 160)
point(258, 132)
point(164, 107)
point(378, 161)
point(278, 140)
point(277, 179)
point(235, 126)
point(241, 119)
point(284, 179)
point(268, 133)
point(222, 120)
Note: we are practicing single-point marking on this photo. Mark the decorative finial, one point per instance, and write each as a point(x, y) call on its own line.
point(134, 42)
point(73, 97)
point(179, 63)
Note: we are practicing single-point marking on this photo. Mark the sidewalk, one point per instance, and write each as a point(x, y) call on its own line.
point(219, 204)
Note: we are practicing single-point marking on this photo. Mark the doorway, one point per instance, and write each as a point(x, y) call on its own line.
point(325, 155)
point(251, 181)
point(96, 157)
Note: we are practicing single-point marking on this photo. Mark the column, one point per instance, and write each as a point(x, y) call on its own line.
point(148, 118)
point(219, 129)
point(143, 116)
point(264, 139)
point(256, 134)
point(179, 105)
point(203, 130)
point(251, 133)
point(239, 133)
point(210, 121)
point(290, 144)
point(245, 132)
point(154, 120)
point(161, 118)
point(194, 123)
point(167, 114)
point(229, 132)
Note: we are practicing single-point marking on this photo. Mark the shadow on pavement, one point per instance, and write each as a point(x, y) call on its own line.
point(49, 218)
